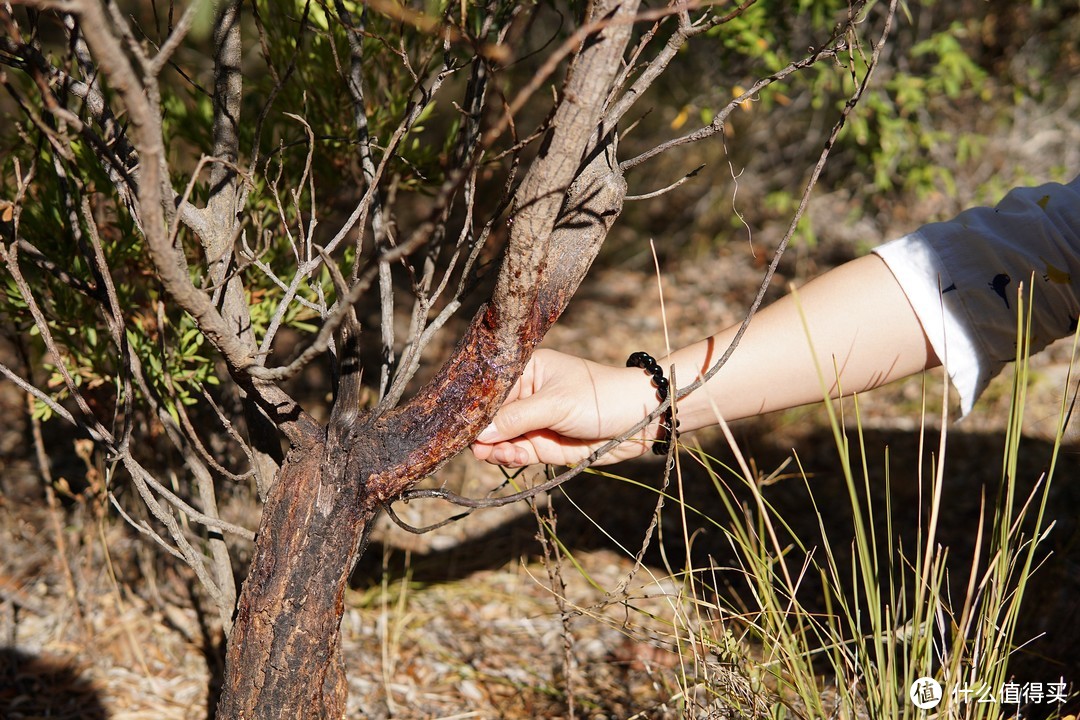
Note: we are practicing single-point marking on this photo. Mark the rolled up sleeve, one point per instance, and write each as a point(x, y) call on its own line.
point(962, 278)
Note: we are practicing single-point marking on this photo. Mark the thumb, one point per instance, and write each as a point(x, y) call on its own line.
point(518, 417)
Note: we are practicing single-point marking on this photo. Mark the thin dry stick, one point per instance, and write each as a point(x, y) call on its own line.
point(114, 318)
point(144, 527)
point(546, 534)
point(11, 258)
point(192, 558)
point(53, 406)
point(136, 646)
point(192, 437)
point(420, 335)
point(639, 559)
point(656, 67)
point(44, 469)
point(669, 188)
point(719, 120)
point(143, 476)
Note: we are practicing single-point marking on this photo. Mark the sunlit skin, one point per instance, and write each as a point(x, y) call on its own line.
point(861, 325)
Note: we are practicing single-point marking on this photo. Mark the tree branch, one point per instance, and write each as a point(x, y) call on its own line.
point(559, 225)
point(154, 198)
point(718, 121)
point(145, 119)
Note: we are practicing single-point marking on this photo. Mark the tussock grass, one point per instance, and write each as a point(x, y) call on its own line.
point(815, 627)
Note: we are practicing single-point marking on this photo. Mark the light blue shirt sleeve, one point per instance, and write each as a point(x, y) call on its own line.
point(962, 278)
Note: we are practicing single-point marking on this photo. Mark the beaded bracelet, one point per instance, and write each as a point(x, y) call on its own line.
point(667, 430)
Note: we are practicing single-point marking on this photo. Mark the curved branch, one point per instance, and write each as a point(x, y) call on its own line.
point(152, 196)
point(669, 188)
point(717, 124)
point(563, 209)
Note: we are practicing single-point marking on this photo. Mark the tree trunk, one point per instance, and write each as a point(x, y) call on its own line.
point(284, 657)
point(286, 635)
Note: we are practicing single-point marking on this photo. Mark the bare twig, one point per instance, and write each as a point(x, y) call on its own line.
point(45, 470)
point(669, 188)
point(144, 527)
point(147, 481)
point(718, 121)
point(390, 513)
point(179, 32)
point(119, 158)
point(90, 421)
point(37, 257)
point(656, 67)
point(58, 409)
point(114, 319)
point(546, 533)
point(849, 107)
point(661, 496)
point(333, 321)
point(143, 481)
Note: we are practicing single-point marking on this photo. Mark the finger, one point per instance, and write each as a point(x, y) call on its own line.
point(517, 418)
point(481, 451)
point(505, 454)
point(512, 455)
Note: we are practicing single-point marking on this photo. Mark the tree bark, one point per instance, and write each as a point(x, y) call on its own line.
point(284, 658)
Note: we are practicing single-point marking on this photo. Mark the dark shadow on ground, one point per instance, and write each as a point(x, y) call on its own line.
point(1050, 620)
point(42, 687)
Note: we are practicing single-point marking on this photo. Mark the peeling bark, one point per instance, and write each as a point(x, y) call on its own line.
point(284, 658)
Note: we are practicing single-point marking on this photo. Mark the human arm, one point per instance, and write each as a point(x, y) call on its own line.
point(565, 407)
point(946, 291)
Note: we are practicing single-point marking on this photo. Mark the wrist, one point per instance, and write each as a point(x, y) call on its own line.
point(662, 431)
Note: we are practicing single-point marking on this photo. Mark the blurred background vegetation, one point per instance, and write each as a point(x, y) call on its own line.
point(956, 78)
